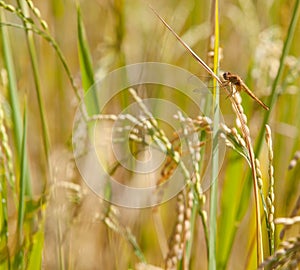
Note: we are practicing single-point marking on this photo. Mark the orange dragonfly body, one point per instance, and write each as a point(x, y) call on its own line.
point(240, 85)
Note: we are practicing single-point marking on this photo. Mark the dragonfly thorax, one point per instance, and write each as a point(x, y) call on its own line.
point(234, 79)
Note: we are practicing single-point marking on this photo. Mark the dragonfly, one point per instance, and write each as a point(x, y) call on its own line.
point(239, 85)
point(229, 78)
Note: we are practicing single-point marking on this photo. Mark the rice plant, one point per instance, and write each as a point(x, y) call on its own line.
point(128, 140)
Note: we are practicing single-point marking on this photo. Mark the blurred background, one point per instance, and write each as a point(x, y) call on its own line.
point(123, 32)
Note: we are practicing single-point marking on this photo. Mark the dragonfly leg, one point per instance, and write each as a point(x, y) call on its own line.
point(232, 91)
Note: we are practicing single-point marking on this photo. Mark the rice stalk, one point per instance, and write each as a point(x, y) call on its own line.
point(20, 258)
point(212, 256)
point(7, 154)
point(6, 176)
point(13, 99)
point(242, 123)
point(110, 219)
point(176, 248)
point(234, 141)
point(192, 127)
point(44, 33)
point(36, 75)
point(288, 221)
point(285, 257)
point(271, 194)
point(86, 67)
point(35, 11)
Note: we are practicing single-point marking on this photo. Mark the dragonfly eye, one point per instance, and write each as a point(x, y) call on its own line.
point(226, 75)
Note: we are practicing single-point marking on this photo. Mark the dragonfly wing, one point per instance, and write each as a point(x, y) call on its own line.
point(251, 94)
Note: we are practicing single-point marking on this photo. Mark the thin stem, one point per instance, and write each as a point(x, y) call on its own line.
point(34, 65)
point(13, 98)
point(215, 159)
point(22, 182)
point(204, 65)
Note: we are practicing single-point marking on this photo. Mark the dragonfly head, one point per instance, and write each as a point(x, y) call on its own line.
point(226, 75)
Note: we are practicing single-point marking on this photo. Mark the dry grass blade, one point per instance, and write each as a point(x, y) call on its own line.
point(204, 65)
